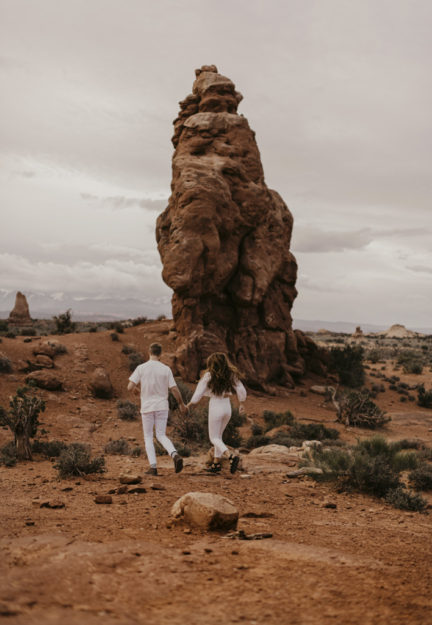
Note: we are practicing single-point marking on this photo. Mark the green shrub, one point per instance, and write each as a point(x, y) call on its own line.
point(405, 460)
point(404, 499)
point(5, 364)
point(357, 409)
point(424, 398)
point(49, 449)
point(11, 334)
point(276, 419)
point(348, 364)
point(119, 447)
point(257, 441)
point(8, 455)
point(283, 438)
point(3, 325)
point(413, 366)
point(64, 323)
point(160, 318)
point(128, 349)
point(191, 427)
point(127, 410)
point(312, 431)
point(135, 359)
point(256, 429)
point(22, 419)
point(114, 336)
point(372, 475)
point(118, 328)
point(136, 451)
point(334, 462)
point(139, 321)
point(421, 477)
point(76, 460)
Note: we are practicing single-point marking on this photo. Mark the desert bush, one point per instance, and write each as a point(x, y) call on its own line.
point(413, 366)
point(357, 409)
point(64, 323)
point(49, 449)
point(8, 455)
point(76, 460)
point(421, 477)
point(183, 451)
point(312, 431)
point(136, 451)
point(283, 438)
point(405, 460)
point(127, 410)
point(5, 364)
point(185, 392)
point(135, 359)
point(372, 475)
point(119, 447)
point(160, 318)
point(11, 334)
point(348, 364)
point(334, 462)
point(128, 349)
point(138, 321)
point(114, 336)
point(190, 427)
point(256, 429)
point(424, 397)
point(118, 328)
point(404, 499)
point(3, 325)
point(257, 441)
point(22, 419)
point(276, 419)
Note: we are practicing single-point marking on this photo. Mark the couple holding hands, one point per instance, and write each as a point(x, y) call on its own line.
point(220, 380)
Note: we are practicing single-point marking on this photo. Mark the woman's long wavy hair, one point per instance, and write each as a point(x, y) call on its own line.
point(223, 374)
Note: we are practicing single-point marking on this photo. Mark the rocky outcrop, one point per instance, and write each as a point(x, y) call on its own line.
point(45, 379)
point(20, 314)
point(100, 384)
point(224, 240)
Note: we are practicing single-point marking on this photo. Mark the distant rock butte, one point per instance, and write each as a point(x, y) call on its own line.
point(399, 331)
point(20, 314)
point(224, 240)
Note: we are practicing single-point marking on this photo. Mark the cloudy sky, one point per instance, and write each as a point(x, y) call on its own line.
point(338, 92)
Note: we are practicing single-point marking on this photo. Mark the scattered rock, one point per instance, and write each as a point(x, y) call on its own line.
point(206, 510)
point(103, 499)
point(305, 471)
point(330, 504)
point(275, 453)
point(126, 478)
point(45, 379)
point(157, 487)
point(53, 504)
point(43, 362)
point(100, 384)
point(241, 535)
point(121, 490)
point(137, 490)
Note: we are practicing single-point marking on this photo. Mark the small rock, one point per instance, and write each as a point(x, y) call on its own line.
point(29, 522)
point(53, 504)
point(330, 504)
point(130, 479)
point(121, 490)
point(137, 490)
point(103, 499)
point(305, 471)
point(206, 510)
point(100, 384)
point(157, 487)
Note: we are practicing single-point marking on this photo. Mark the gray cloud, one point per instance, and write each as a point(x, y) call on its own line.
point(420, 269)
point(318, 241)
point(120, 202)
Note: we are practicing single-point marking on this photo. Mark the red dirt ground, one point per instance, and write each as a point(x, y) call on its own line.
point(362, 562)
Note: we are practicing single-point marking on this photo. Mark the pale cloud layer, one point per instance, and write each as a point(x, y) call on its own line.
point(339, 94)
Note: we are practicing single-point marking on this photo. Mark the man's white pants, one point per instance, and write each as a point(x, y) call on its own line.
point(219, 415)
point(157, 420)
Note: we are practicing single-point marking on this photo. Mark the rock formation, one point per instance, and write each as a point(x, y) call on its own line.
point(224, 240)
point(20, 315)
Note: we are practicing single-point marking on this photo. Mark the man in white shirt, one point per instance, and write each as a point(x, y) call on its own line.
point(156, 380)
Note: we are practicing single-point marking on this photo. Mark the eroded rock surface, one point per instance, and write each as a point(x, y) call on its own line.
point(224, 240)
point(206, 510)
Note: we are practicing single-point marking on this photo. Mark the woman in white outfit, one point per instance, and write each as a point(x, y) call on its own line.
point(219, 382)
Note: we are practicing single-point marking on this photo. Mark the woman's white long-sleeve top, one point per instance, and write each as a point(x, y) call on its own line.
point(203, 390)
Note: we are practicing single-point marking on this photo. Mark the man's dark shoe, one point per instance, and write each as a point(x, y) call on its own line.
point(151, 471)
point(178, 463)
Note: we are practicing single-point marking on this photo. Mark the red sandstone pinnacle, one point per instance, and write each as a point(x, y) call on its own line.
point(20, 314)
point(224, 240)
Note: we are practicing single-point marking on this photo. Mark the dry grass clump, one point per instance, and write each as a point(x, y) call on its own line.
point(76, 460)
point(357, 409)
point(127, 410)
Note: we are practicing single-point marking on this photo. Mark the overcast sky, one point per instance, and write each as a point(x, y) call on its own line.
point(338, 92)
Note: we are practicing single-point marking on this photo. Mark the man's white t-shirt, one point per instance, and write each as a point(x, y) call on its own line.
point(155, 379)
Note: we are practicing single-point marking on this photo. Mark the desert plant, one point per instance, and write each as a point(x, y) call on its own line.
point(136, 451)
point(127, 410)
point(135, 359)
point(49, 449)
point(276, 419)
point(3, 325)
point(8, 455)
point(114, 336)
point(128, 349)
point(257, 441)
point(424, 397)
point(256, 429)
point(348, 364)
point(404, 499)
point(421, 477)
point(138, 321)
point(413, 366)
point(190, 427)
point(5, 364)
point(119, 447)
point(11, 334)
point(64, 323)
point(22, 419)
point(357, 409)
point(76, 460)
point(312, 431)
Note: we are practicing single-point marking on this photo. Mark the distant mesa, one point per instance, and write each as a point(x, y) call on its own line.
point(20, 314)
point(224, 241)
point(398, 331)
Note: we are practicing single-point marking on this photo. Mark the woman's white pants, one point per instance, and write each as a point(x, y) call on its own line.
point(218, 417)
point(157, 420)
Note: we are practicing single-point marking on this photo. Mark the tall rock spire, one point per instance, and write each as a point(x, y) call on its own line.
point(224, 241)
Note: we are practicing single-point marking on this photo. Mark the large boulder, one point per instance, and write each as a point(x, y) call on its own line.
point(20, 314)
point(275, 453)
point(100, 384)
point(224, 241)
point(206, 510)
point(45, 379)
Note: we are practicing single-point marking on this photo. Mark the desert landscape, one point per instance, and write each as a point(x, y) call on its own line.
point(297, 489)
point(330, 555)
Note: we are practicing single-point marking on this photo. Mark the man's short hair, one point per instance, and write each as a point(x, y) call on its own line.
point(155, 349)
